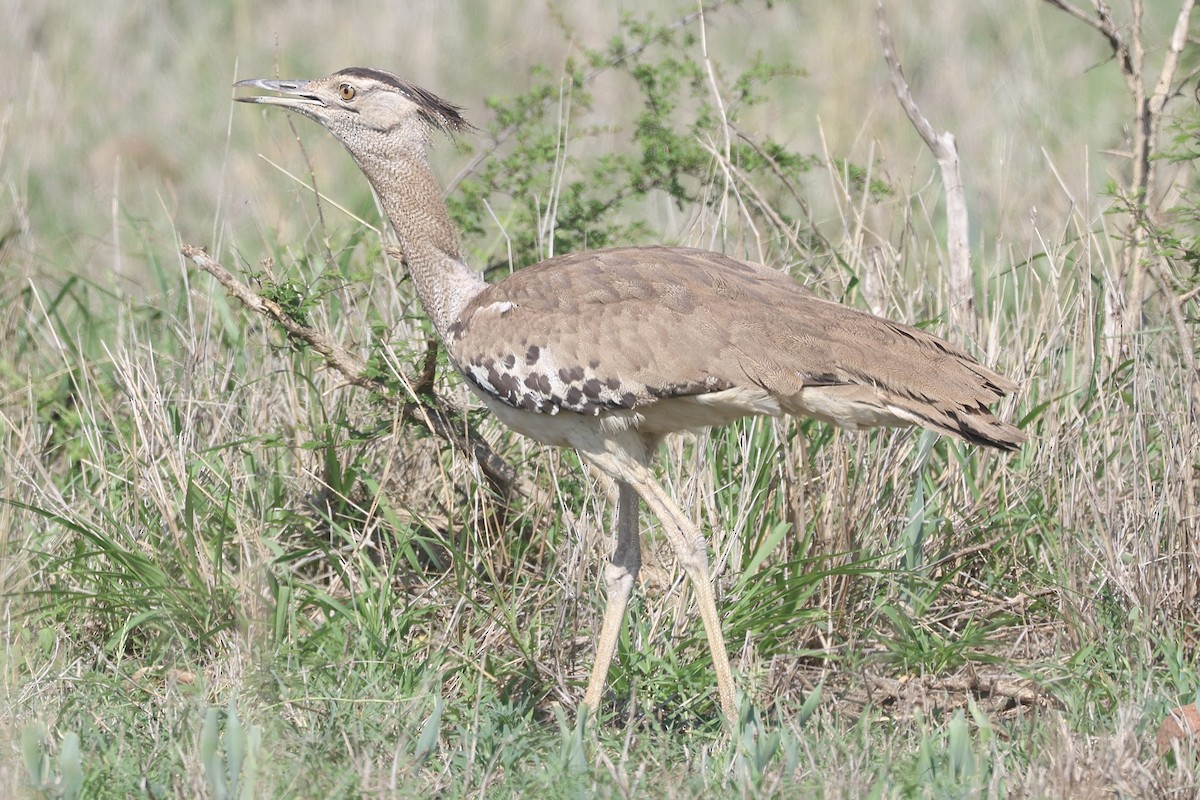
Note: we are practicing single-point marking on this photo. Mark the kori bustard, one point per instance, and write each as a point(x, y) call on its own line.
point(610, 350)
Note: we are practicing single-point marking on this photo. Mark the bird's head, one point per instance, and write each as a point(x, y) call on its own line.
point(359, 103)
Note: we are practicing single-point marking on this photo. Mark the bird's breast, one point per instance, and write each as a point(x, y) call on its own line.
point(536, 380)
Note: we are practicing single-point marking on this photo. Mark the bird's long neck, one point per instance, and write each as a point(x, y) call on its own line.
point(413, 202)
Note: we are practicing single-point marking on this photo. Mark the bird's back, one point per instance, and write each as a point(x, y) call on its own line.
point(686, 338)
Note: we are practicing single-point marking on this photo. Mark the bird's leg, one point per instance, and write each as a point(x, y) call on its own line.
point(625, 459)
point(692, 552)
point(619, 576)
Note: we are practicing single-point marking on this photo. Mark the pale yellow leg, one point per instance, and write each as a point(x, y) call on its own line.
point(619, 577)
point(692, 552)
point(625, 459)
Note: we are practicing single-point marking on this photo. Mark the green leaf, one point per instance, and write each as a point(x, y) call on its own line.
point(70, 766)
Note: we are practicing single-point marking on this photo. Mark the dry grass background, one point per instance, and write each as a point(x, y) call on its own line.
point(138, 406)
point(138, 116)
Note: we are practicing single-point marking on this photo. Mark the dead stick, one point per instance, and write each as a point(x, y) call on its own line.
point(962, 290)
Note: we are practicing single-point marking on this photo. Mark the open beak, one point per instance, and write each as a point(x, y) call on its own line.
point(295, 94)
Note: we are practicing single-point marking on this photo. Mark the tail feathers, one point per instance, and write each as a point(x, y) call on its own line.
point(977, 426)
point(859, 406)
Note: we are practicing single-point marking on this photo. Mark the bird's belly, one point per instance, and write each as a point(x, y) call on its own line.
point(710, 410)
point(557, 430)
point(850, 406)
point(667, 415)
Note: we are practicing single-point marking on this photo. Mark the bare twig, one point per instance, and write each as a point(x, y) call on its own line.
point(1106, 27)
point(437, 416)
point(787, 183)
point(732, 172)
point(962, 290)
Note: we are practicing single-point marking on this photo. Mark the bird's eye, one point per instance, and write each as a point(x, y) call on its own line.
point(347, 91)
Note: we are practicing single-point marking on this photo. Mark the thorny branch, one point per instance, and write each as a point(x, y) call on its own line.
point(435, 414)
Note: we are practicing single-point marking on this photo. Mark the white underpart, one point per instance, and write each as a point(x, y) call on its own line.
point(708, 410)
point(500, 308)
point(665, 416)
point(850, 406)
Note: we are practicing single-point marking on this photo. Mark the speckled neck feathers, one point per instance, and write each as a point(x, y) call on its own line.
point(413, 202)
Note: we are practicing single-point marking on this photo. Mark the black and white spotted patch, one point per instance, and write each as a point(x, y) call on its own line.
point(535, 382)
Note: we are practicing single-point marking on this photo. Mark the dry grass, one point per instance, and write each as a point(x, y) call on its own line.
point(195, 512)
